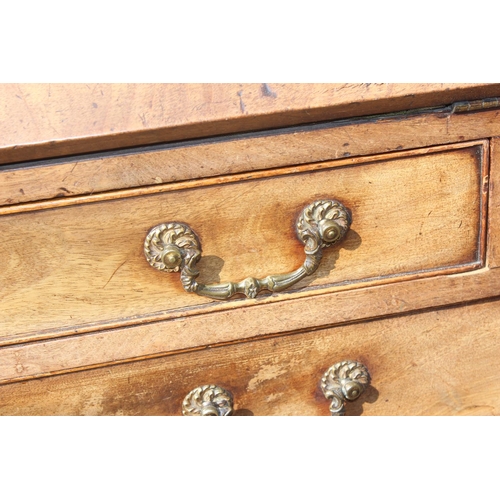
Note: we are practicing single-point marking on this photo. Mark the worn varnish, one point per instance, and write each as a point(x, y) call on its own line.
point(47, 120)
point(443, 362)
point(413, 214)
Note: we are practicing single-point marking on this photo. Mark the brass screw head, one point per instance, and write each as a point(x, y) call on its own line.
point(171, 257)
point(329, 230)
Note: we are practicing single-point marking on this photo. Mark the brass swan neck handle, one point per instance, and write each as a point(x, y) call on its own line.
point(174, 246)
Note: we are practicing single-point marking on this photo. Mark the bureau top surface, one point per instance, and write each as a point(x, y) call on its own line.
point(49, 120)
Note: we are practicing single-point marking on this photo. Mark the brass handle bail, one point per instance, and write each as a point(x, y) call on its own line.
point(174, 246)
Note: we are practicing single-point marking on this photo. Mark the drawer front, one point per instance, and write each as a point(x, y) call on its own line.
point(77, 265)
point(443, 362)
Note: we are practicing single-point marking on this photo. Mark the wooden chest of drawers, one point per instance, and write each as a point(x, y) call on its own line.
point(89, 327)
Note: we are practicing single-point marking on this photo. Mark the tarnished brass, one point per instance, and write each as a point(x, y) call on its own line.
point(208, 401)
point(174, 246)
point(342, 382)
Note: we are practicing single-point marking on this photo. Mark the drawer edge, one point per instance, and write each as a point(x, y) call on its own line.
point(81, 352)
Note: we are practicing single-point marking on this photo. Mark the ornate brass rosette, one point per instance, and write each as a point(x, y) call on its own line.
point(208, 401)
point(342, 382)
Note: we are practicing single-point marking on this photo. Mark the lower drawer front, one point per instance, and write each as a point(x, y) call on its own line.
point(444, 362)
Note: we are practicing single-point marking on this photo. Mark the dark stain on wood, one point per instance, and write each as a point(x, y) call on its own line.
point(267, 92)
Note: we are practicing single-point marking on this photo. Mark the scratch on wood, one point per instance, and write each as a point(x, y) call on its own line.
point(116, 270)
point(242, 104)
point(73, 168)
point(143, 119)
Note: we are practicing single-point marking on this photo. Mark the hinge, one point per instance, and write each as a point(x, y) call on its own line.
point(466, 106)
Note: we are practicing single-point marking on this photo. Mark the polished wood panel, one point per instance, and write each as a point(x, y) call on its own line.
point(72, 267)
point(87, 327)
point(47, 120)
point(443, 362)
point(342, 141)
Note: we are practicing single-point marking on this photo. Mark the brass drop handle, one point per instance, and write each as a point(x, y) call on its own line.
point(342, 382)
point(208, 401)
point(174, 246)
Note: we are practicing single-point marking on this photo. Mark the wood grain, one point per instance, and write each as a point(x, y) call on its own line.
point(493, 259)
point(188, 331)
point(80, 266)
point(92, 329)
point(443, 362)
point(48, 120)
point(342, 141)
